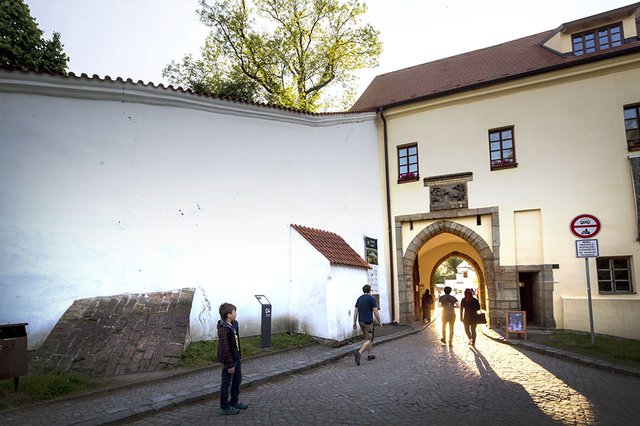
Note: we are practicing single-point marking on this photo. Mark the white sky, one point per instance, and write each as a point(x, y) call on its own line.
point(137, 38)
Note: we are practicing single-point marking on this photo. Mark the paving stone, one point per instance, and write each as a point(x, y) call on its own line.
point(413, 380)
point(416, 380)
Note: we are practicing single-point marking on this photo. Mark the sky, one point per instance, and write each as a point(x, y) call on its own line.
point(137, 38)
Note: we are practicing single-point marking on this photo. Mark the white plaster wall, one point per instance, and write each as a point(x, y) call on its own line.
point(343, 289)
point(612, 316)
point(101, 196)
point(310, 276)
point(322, 295)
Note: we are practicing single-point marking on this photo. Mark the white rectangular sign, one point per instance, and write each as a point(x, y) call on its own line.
point(587, 248)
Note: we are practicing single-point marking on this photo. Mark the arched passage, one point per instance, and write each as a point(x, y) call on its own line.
point(484, 253)
point(482, 291)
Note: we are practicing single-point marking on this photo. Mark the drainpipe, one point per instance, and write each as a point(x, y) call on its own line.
point(389, 224)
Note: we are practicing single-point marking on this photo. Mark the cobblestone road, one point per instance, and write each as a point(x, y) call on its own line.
point(417, 380)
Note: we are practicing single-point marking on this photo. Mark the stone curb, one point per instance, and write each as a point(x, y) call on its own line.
point(558, 353)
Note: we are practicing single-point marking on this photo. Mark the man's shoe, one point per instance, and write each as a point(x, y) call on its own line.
point(240, 406)
point(356, 355)
point(370, 357)
point(443, 340)
point(229, 411)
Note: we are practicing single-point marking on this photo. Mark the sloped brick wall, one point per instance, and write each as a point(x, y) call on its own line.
point(121, 334)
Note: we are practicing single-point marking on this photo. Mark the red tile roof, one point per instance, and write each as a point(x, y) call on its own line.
point(507, 61)
point(332, 246)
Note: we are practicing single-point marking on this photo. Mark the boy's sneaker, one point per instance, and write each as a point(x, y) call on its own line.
point(240, 406)
point(370, 357)
point(356, 355)
point(229, 411)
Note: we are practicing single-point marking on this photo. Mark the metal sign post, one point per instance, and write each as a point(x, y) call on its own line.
point(587, 226)
point(593, 336)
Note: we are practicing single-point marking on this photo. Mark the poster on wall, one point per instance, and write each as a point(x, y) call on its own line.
point(371, 250)
point(372, 279)
point(371, 255)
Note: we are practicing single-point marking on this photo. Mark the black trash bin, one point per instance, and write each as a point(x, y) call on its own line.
point(13, 352)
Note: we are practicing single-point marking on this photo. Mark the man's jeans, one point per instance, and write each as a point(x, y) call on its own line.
point(233, 381)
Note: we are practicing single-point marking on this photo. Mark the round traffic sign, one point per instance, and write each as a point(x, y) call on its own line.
point(585, 226)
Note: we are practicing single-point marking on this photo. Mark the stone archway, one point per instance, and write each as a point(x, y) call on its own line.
point(407, 259)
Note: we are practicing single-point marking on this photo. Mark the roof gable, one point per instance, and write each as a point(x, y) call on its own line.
point(331, 246)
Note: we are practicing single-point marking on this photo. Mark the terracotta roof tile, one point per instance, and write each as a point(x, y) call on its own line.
point(510, 60)
point(331, 246)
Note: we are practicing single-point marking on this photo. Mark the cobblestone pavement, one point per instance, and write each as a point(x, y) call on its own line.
point(417, 380)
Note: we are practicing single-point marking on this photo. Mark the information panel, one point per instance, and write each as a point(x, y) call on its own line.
point(587, 248)
point(516, 323)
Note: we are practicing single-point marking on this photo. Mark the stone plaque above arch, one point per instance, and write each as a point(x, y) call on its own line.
point(447, 192)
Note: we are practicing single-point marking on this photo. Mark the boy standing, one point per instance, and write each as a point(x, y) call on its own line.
point(229, 356)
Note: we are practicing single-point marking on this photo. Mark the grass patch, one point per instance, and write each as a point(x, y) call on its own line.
point(43, 386)
point(607, 348)
point(203, 353)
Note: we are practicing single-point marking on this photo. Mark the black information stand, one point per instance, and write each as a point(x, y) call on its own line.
point(265, 325)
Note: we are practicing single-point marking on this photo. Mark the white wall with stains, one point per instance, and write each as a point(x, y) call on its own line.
point(110, 187)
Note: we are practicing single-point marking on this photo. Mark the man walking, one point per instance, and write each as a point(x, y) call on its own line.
point(366, 308)
point(448, 303)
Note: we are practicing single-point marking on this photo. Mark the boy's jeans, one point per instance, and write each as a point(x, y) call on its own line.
point(233, 381)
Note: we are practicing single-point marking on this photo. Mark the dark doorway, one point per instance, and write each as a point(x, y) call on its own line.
point(526, 282)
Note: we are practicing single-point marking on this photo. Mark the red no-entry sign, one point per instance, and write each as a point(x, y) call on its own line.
point(585, 226)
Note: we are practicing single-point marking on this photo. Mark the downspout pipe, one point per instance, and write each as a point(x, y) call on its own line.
point(392, 273)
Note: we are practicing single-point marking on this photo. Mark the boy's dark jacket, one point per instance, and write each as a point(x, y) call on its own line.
point(228, 351)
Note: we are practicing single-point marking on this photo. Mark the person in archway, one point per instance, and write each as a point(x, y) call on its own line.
point(448, 303)
point(427, 304)
point(469, 307)
point(366, 308)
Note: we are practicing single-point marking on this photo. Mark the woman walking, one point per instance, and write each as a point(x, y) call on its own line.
point(469, 308)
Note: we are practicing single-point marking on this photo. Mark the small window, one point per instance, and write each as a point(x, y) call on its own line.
point(408, 163)
point(614, 275)
point(631, 118)
point(502, 149)
point(598, 39)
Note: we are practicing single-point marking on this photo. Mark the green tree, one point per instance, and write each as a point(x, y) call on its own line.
point(447, 269)
point(22, 46)
point(285, 52)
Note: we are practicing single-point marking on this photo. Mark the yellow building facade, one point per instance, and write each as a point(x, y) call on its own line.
point(490, 155)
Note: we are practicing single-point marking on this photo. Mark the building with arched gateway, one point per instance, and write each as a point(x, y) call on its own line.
point(490, 154)
point(112, 186)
